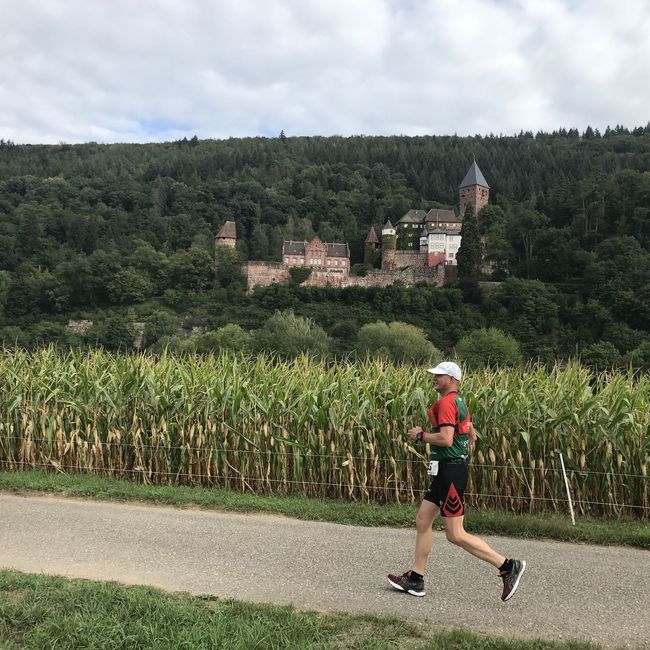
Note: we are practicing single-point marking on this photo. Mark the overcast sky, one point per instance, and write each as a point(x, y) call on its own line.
point(153, 70)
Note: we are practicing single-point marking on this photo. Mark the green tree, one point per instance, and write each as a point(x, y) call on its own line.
point(299, 274)
point(129, 286)
point(489, 347)
point(600, 356)
point(157, 325)
point(229, 337)
point(640, 356)
point(526, 228)
point(5, 283)
point(113, 333)
point(398, 341)
point(528, 310)
point(470, 252)
point(13, 336)
point(290, 335)
point(497, 249)
point(228, 270)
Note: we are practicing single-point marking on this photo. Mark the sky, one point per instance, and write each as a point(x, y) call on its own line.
point(158, 70)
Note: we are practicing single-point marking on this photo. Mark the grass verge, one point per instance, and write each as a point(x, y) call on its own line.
point(587, 530)
point(46, 612)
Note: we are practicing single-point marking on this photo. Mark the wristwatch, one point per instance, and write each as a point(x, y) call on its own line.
point(419, 436)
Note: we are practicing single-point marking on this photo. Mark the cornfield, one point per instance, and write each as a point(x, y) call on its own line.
point(320, 429)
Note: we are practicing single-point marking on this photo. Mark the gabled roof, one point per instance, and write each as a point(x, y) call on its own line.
point(474, 177)
point(372, 236)
point(436, 216)
point(228, 231)
point(413, 216)
point(337, 250)
point(293, 247)
point(298, 248)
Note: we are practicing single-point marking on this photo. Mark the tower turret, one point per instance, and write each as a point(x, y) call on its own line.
point(424, 239)
point(227, 235)
point(388, 236)
point(474, 189)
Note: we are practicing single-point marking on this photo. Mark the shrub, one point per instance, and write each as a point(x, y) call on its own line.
point(600, 356)
point(397, 341)
point(229, 337)
point(489, 347)
point(290, 335)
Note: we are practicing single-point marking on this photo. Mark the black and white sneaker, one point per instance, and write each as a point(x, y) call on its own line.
point(413, 586)
point(511, 579)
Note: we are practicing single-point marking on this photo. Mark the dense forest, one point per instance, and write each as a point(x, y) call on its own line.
point(125, 232)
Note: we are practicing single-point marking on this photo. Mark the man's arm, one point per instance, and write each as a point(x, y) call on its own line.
point(443, 438)
point(472, 435)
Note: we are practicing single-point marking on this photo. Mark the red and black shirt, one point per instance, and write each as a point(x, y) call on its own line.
point(450, 411)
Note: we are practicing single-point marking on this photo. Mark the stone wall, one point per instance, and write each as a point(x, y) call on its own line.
point(264, 274)
point(393, 260)
point(79, 326)
point(407, 276)
point(475, 195)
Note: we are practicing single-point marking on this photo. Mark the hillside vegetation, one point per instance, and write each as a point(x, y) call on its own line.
point(124, 233)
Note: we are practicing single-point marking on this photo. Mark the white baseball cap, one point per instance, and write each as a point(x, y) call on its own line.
point(447, 368)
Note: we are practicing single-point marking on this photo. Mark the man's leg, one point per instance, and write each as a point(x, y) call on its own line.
point(456, 534)
point(510, 571)
point(427, 514)
point(412, 582)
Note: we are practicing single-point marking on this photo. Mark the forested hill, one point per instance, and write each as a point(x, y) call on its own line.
point(79, 224)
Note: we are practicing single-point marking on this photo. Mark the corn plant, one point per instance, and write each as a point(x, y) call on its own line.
point(263, 425)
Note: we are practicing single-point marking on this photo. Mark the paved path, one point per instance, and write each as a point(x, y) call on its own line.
point(569, 591)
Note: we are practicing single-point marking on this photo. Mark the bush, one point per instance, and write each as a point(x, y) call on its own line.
point(640, 356)
point(114, 333)
point(159, 324)
point(229, 337)
point(600, 356)
point(397, 341)
point(489, 347)
point(290, 335)
point(299, 274)
point(166, 344)
point(12, 336)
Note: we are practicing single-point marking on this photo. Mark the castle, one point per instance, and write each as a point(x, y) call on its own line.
point(421, 247)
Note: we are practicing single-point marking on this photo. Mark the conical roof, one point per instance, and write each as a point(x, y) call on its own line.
point(228, 231)
point(372, 236)
point(388, 225)
point(474, 176)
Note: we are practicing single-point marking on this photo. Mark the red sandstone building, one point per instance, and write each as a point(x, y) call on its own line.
point(318, 255)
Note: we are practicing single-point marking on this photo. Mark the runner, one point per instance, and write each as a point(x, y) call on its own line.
point(452, 435)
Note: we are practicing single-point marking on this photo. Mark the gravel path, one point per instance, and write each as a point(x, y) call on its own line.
point(594, 593)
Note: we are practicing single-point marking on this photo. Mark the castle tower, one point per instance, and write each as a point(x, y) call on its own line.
point(388, 236)
point(371, 252)
point(388, 246)
point(424, 239)
point(372, 241)
point(227, 235)
point(473, 190)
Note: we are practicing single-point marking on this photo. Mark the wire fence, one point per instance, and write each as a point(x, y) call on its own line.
point(79, 443)
point(398, 487)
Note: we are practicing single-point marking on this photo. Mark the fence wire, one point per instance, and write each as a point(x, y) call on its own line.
point(141, 472)
point(307, 454)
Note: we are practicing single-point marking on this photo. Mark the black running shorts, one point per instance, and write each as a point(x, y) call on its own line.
point(448, 487)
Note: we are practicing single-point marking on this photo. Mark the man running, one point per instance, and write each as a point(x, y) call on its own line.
point(452, 435)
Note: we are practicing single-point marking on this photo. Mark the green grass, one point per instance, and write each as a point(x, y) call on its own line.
point(46, 612)
point(589, 530)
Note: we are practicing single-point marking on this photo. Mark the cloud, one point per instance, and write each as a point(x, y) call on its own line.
point(122, 71)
